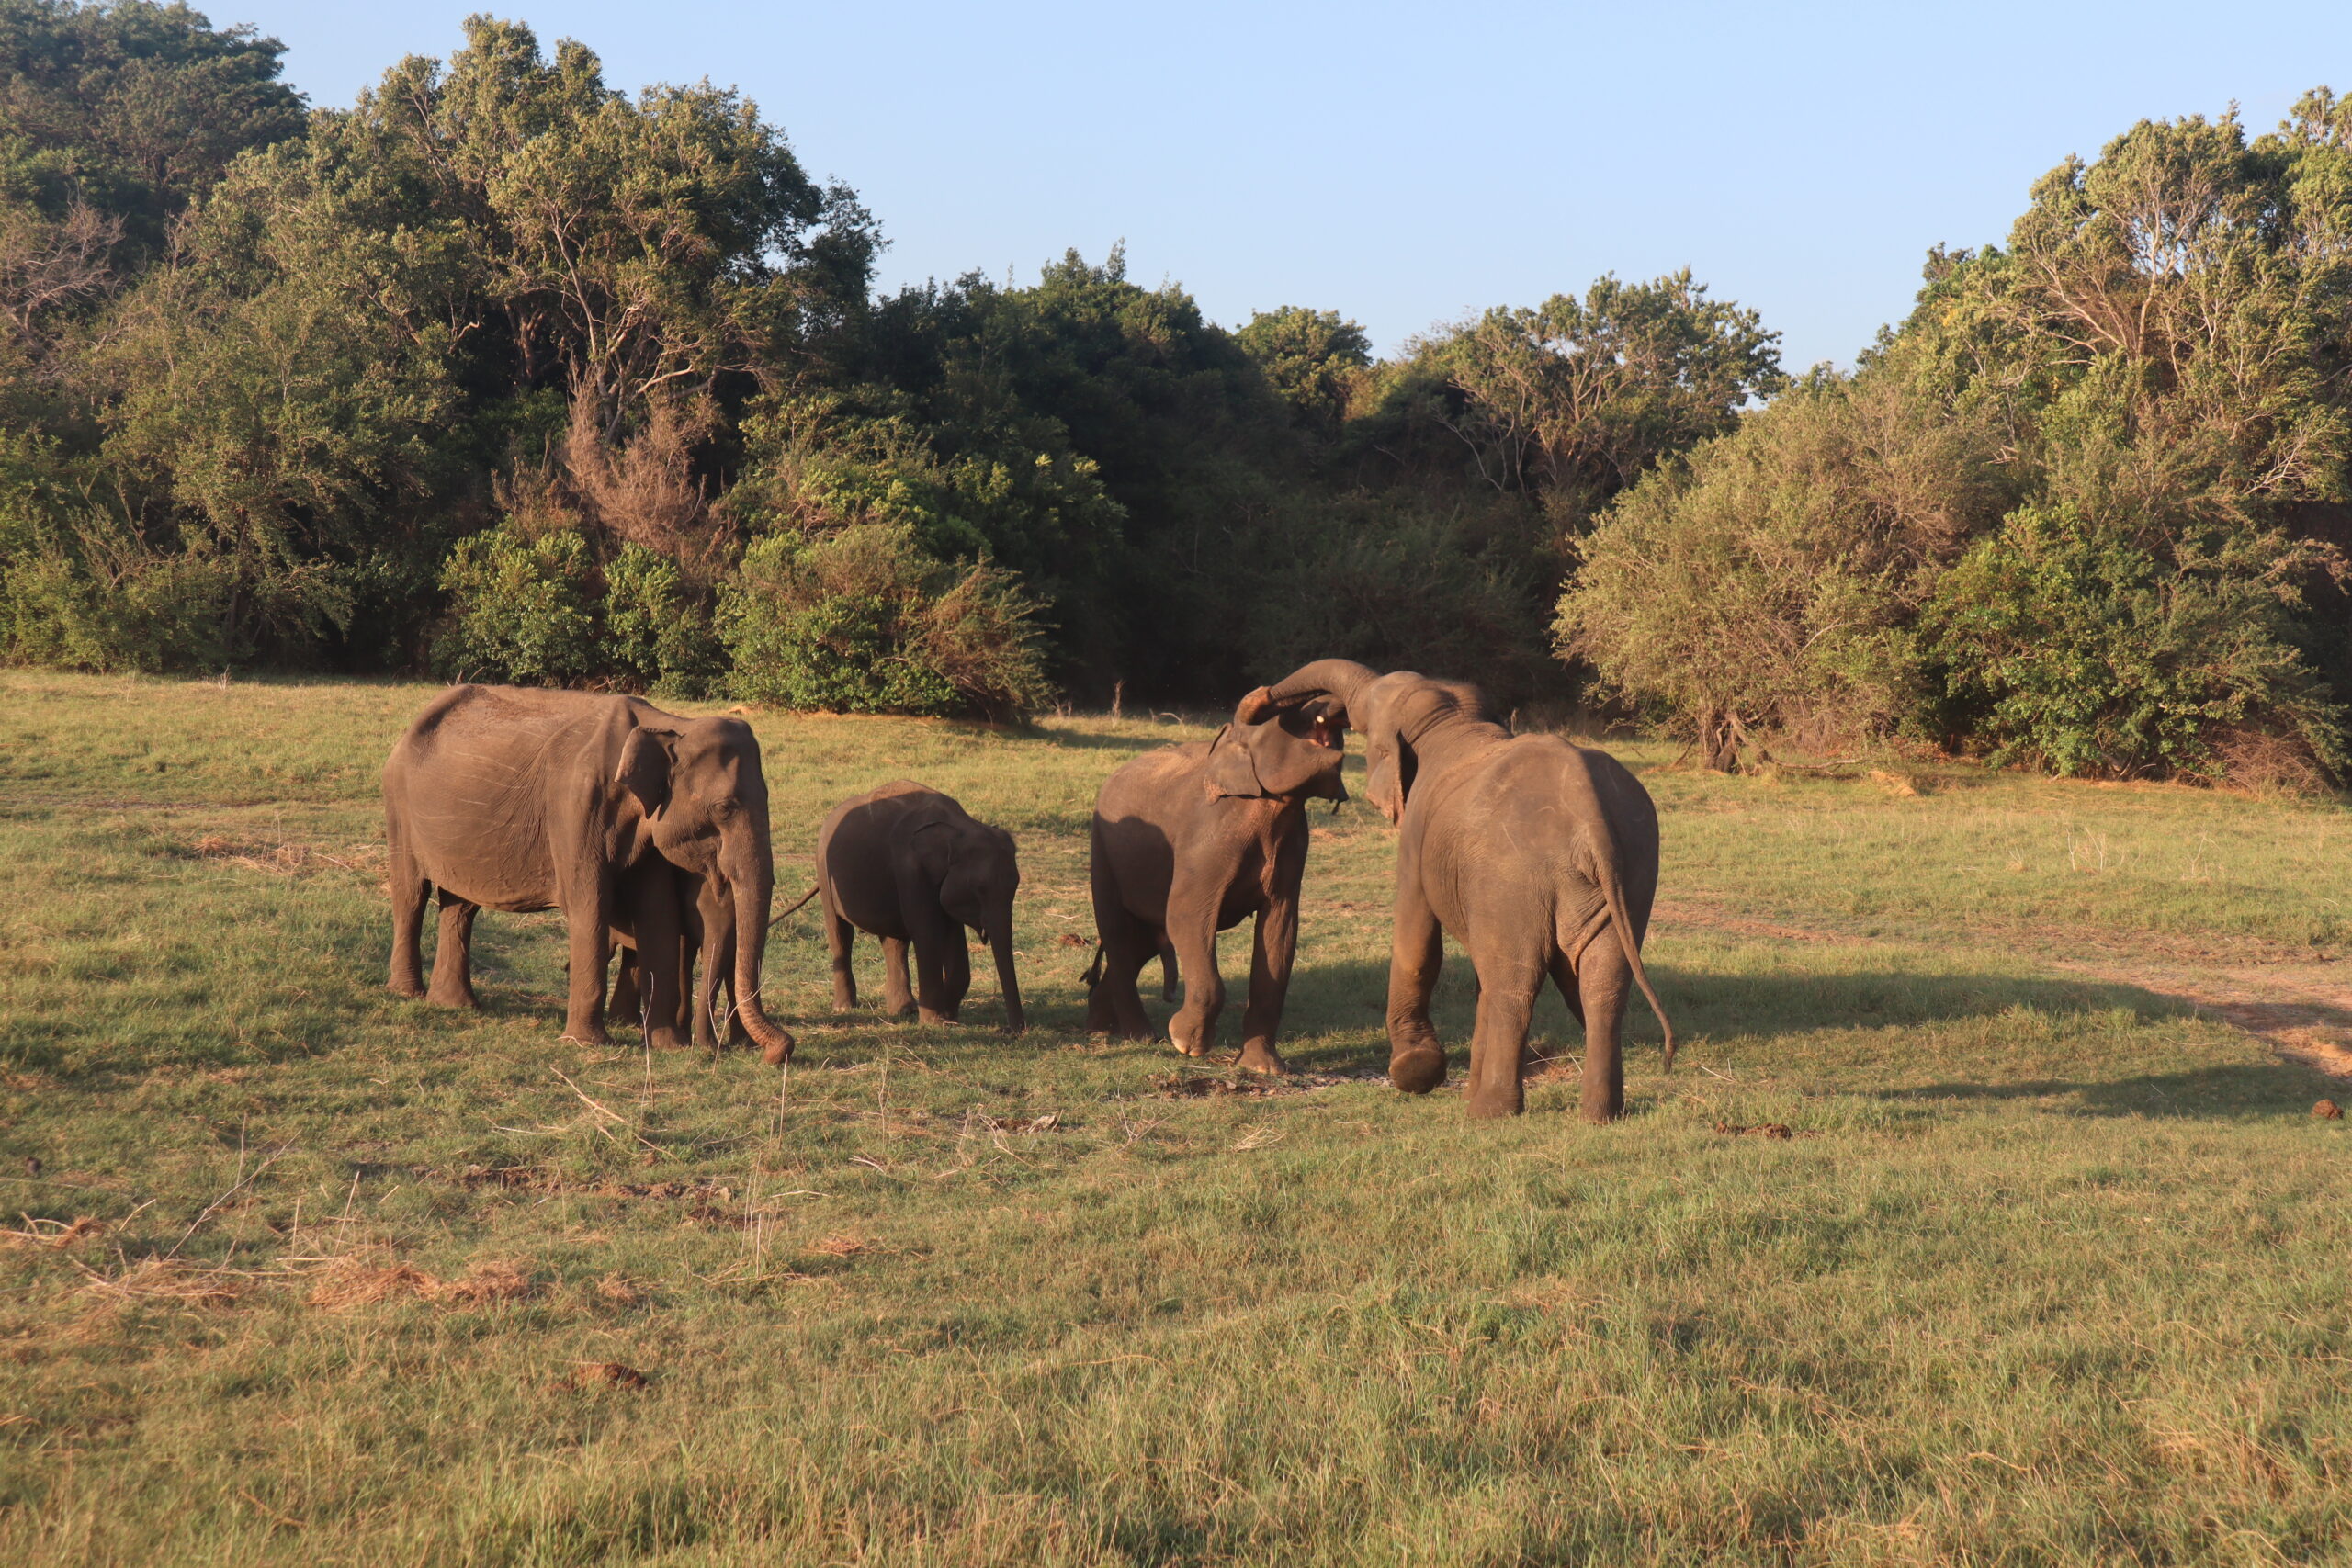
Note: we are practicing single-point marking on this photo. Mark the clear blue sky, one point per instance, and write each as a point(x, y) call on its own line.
point(1407, 164)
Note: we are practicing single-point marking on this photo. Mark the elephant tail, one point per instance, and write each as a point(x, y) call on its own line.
point(1094, 970)
point(1585, 806)
point(797, 902)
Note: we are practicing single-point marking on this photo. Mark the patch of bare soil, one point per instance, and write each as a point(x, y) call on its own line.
point(2301, 1010)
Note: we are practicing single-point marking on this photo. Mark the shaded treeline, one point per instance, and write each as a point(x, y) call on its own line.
point(500, 371)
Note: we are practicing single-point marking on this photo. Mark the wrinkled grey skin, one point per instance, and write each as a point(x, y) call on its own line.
point(1192, 840)
point(912, 866)
point(505, 798)
point(1540, 856)
point(705, 965)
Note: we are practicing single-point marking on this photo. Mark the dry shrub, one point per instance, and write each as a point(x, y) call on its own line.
point(842, 1246)
point(642, 488)
point(2269, 765)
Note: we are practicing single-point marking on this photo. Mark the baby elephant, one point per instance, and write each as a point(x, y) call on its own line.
point(1190, 841)
point(909, 864)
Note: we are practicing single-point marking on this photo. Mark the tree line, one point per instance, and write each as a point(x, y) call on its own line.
point(502, 372)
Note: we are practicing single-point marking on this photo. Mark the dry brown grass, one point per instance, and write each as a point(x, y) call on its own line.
point(357, 1282)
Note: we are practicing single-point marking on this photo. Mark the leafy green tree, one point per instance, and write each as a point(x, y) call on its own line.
point(1312, 358)
point(130, 109)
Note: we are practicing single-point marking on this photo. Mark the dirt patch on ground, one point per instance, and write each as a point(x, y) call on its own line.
point(2300, 1008)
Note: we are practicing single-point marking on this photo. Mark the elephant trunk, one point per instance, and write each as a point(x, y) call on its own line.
point(1008, 983)
point(1343, 677)
point(752, 875)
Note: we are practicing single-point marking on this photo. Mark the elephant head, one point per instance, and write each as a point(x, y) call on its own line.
point(706, 808)
point(977, 872)
point(1292, 750)
point(1397, 713)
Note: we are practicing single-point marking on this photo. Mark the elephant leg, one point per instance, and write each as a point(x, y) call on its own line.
point(939, 949)
point(653, 893)
point(591, 951)
point(409, 891)
point(453, 955)
point(1113, 1005)
point(897, 996)
point(1191, 930)
point(1604, 982)
point(1417, 951)
point(838, 934)
point(627, 1006)
point(955, 974)
point(712, 934)
point(1273, 943)
point(1507, 987)
point(1169, 975)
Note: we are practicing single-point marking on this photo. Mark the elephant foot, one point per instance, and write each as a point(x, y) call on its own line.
point(1257, 1058)
point(593, 1034)
point(408, 990)
point(933, 1015)
point(667, 1039)
point(1493, 1105)
point(461, 999)
point(1416, 1071)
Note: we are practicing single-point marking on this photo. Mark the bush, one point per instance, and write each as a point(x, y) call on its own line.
point(654, 631)
point(2070, 643)
point(522, 611)
point(863, 620)
point(1768, 582)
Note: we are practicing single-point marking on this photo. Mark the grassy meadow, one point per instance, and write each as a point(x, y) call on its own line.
point(1933, 1249)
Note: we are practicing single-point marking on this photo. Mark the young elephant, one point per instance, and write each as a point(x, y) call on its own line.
point(1188, 841)
point(909, 864)
point(1540, 856)
point(705, 965)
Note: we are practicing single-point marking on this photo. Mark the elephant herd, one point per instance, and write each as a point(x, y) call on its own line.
point(650, 832)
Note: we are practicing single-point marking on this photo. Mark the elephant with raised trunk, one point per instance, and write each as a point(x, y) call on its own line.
point(1192, 840)
point(505, 798)
point(1539, 855)
point(912, 866)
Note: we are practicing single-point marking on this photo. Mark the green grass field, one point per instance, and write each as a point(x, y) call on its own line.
point(2049, 1268)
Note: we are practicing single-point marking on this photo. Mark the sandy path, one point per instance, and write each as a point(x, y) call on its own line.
point(2301, 1010)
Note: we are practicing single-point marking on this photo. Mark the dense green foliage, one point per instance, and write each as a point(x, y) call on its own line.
point(2085, 507)
point(500, 371)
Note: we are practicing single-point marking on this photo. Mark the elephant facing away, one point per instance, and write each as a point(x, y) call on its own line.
point(1540, 856)
point(504, 798)
point(1190, 841)
point(910, 865)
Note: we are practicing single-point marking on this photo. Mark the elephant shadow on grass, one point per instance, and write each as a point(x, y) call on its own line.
point(1336, 1024)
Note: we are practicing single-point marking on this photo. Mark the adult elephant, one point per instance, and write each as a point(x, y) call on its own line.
point(505, 798)
point(1540, 856)
point(1190, 841)
point(910, 865)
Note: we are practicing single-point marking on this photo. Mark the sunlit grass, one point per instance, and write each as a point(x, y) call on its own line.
point(2045, 1271)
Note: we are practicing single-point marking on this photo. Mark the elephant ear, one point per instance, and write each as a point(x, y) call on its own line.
point(1232, 770)
point(934, 844)
point(645, 768)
